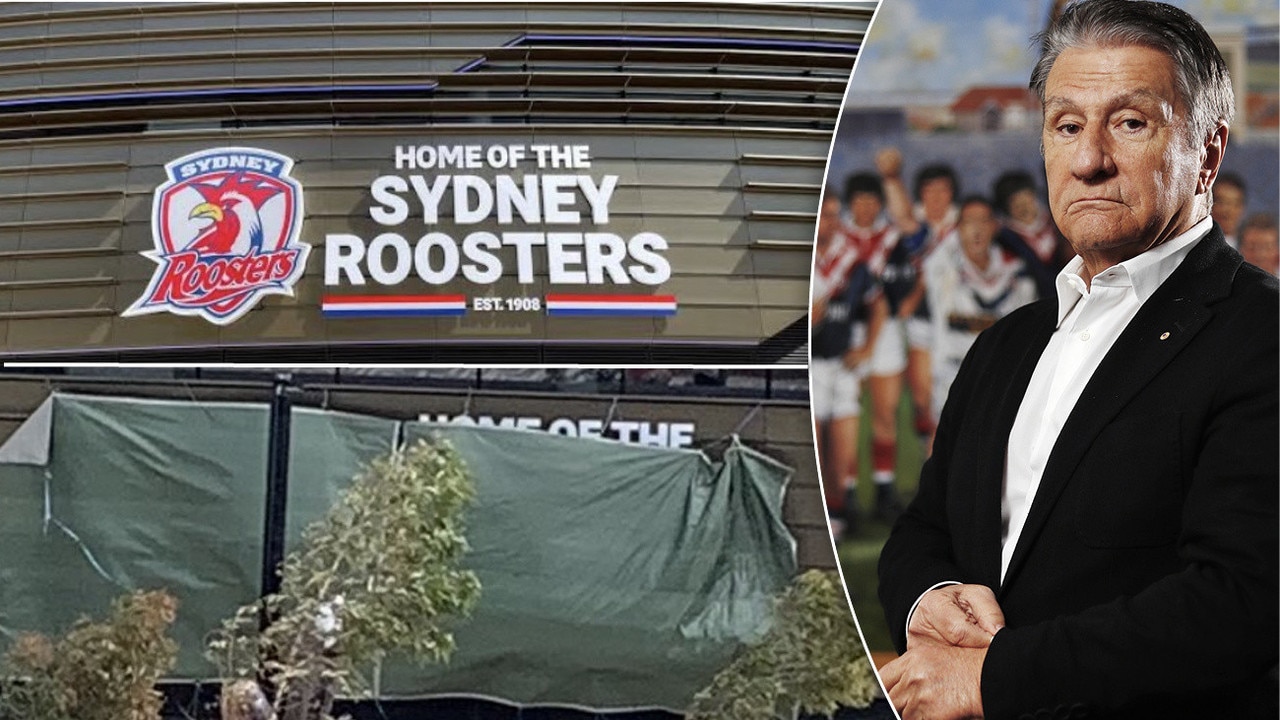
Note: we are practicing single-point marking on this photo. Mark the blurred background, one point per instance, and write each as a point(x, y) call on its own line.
point(945, 82)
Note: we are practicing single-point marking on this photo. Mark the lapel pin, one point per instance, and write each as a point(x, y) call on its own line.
point(1164, 336)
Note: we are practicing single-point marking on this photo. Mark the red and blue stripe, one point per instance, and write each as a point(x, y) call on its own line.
point(393, 305)
point(612, 305)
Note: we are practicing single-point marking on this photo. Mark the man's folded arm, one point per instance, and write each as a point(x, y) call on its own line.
point(1210, 625)
point(919, 554)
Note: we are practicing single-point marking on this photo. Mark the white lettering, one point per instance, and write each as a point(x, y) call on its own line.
point(392, 209)
point(430, 196)
point(463, 212)
point(497, 156)
point(660, 434)
point(485, 268)
point(653, 269)
point(450, 156)
point(406, 158)
point(605, 253)
point(563, 426)
point(524, 243)
point(570, 258)
point(556, 195)
point(681, 435)
point(598, 197)
point(653, 435)
point(624, 429)
point(403, 259)
point(422, 258)
point(525, 201)
point(590, 428)
point(342, 254)
point(559, 258)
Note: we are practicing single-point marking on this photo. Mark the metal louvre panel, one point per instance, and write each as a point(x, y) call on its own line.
point(64, 53)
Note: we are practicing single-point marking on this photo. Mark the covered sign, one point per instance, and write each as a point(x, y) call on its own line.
point(614, 575)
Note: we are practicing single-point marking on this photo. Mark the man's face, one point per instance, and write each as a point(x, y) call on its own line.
point(936, 196)
point(1228, 206)
point(1259, 246)
point(828, 219)
point(864, 207)
point(1122, 174)
point(977, 227)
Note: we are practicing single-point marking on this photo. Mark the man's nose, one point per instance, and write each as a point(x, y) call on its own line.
point(1093, 158)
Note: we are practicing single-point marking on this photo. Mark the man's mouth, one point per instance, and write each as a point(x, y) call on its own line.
point(1095, 201)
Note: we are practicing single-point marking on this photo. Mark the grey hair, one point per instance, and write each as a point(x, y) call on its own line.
point(1202, 80)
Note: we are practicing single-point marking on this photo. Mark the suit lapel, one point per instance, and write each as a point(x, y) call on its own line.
point(1179, 307)
point(986, 522)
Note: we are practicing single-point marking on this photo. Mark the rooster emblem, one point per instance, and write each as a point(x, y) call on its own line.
point(226, 226)
point(232, 205)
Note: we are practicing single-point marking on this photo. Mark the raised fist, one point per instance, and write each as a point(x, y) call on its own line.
point(889, 162)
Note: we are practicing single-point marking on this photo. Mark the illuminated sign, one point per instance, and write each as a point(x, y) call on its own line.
point(540, 196)
point(225, 226)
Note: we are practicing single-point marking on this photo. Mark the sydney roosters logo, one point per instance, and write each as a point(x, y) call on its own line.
point(226, 226)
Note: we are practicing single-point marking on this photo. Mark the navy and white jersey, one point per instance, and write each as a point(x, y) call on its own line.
point(833, 334)
point(874, 244)
point(902, 268)
point(1037, 245)
point(905, 263)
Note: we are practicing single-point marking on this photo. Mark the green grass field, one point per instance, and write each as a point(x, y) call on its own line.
point(860, 553)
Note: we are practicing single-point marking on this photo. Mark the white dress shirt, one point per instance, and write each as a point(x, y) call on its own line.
point(1090, 318)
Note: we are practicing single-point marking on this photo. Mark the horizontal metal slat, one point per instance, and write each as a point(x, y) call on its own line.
point(50, 314)
point(801, 160)
point(61, 253)
point(55, 284)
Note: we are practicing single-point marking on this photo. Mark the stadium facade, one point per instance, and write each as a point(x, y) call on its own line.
point(359, 182)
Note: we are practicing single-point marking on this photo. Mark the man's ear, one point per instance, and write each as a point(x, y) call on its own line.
point(1215, 146)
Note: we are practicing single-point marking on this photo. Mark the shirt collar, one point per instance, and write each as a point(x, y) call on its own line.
point(855, 229)
point(1144, 272)
point(994, 263)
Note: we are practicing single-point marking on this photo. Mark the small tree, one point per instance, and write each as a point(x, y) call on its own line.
point(98, 671)
point(378, 574)
point(810, 660)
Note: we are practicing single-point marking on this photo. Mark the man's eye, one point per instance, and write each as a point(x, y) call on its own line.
point(1068, 128)
point(1132, 124)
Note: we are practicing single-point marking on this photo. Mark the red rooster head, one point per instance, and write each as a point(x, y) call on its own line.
point(232, 205)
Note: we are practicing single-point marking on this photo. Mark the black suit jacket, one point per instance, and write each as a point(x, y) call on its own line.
point(1145, 579)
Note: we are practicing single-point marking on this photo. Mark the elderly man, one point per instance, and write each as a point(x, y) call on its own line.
point(1096, 532)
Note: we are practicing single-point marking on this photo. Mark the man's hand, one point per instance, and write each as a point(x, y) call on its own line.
point(935, 682)
point(955, 615)
point(855, 357)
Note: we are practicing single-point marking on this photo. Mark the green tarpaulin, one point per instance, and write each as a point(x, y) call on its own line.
point(613, 576)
